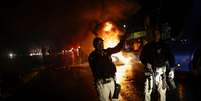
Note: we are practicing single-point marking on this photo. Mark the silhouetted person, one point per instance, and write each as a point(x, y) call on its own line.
point(158, 59)
point(103, 68)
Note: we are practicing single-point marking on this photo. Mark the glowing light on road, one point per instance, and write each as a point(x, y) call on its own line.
point(181, 92)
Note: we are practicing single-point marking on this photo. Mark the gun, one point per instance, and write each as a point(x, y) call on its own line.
point(165, 85)
point(170, 81)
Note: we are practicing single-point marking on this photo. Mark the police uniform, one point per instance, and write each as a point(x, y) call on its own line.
point(157, 59)
point(104, 71)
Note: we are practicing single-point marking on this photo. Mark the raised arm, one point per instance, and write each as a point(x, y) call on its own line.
point(119, 46)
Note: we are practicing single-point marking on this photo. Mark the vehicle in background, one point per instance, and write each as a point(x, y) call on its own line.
point(187, 52)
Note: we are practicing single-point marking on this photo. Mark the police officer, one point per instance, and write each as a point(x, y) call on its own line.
point(157, 59)
point(103, 68)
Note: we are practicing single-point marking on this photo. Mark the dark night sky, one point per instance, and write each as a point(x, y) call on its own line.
point(29, 21)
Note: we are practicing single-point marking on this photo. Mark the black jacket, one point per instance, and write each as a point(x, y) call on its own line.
point(101, 64)
point(157, 53)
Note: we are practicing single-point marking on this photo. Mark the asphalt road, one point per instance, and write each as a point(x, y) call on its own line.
point(75, 83)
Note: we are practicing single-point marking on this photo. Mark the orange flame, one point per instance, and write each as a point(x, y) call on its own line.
point(110, 34)
point(107, 27)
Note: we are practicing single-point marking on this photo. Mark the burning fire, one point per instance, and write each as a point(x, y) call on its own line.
point(110, 34)
point(108, 26)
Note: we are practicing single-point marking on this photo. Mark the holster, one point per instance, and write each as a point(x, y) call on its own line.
point(164, 85)
point(171, 84)
point(116, 90)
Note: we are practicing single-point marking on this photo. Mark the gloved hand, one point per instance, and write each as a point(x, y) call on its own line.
point(171, 74)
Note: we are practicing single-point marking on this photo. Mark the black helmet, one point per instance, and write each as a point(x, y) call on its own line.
point(96, 41)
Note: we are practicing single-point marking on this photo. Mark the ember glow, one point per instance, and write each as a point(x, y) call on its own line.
point(110, 34)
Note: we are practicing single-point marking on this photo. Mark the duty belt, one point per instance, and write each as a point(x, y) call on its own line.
point(106, 80)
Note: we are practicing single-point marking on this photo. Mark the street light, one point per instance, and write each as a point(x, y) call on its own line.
point(11, 55)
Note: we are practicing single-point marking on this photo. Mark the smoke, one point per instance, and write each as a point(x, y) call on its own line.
point(61, 21)
point(74, 21)
point(110, 9)
point(94, 12)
